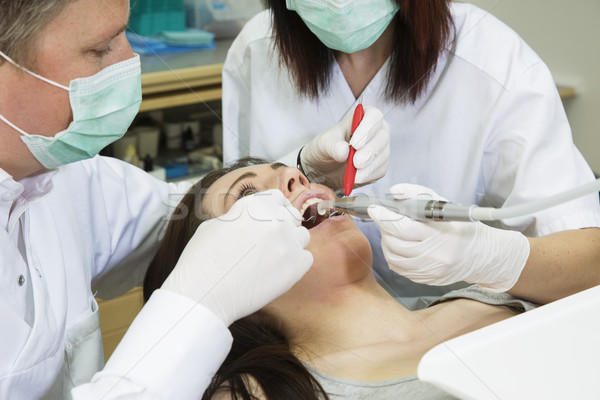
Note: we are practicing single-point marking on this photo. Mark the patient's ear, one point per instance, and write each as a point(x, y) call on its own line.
point(254, 388)
point(223, 393)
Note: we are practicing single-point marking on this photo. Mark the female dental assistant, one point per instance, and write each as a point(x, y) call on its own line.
point(73, 224)
point(473, 113)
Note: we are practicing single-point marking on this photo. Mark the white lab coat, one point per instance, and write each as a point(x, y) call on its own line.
point(92, 224)
point(490, 129)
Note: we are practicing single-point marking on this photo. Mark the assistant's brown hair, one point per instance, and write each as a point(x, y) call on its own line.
point(259, 351)
point(422, 32)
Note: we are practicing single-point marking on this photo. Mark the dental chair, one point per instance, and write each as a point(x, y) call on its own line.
point(552, 352)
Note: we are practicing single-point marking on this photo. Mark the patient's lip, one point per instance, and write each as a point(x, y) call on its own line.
point(308, 194)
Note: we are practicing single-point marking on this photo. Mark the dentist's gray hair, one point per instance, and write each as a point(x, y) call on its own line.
point(20, 23)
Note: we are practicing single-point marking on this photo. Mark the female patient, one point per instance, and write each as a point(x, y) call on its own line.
point(337, 333)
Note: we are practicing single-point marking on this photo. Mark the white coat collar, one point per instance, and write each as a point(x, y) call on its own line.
point(15, 196)
point(374, 92)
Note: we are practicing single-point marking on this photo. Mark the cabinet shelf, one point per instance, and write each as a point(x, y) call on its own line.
point(181, 87)
point(565, 92)
point(178, 79)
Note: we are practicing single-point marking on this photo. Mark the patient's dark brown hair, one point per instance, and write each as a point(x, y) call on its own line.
point(259, 349)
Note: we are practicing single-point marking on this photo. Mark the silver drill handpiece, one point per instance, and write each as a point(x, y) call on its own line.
point(421, 210)
point(428, 210)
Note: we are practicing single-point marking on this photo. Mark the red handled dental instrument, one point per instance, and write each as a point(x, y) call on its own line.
point(350, 172)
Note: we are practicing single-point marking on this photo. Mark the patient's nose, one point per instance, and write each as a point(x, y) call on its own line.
point(292, 180)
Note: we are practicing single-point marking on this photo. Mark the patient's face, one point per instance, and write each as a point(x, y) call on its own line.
point(337, 241)
point(257, 178)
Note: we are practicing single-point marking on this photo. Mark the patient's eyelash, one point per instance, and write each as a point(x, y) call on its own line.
point(245, 189)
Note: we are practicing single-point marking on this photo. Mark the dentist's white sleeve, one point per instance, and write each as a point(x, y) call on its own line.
point(171, 351)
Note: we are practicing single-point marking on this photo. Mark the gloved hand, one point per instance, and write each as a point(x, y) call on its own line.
point(323, 159)
point(441, 253)
point(236, 264)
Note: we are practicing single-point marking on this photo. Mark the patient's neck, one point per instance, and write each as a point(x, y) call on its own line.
point(344, 317)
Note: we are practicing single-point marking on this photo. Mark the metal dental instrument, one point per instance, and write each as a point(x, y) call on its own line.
point(422, 210)
point(437, 210)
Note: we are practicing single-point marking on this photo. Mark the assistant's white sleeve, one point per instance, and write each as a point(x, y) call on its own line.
point(237, 110)
point(531, 155)
point(171, 351)
point(251, 57)
point(236, 107)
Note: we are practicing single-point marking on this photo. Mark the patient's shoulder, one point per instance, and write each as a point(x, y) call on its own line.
point(460, 316)
point(251, 384)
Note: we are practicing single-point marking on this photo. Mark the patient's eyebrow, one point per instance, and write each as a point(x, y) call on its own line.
point(277, 165)
point(240, 178)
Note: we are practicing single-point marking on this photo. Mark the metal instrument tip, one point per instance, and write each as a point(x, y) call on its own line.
point(324, 206)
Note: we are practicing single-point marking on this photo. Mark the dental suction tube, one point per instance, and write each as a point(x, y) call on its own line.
point(437, 210)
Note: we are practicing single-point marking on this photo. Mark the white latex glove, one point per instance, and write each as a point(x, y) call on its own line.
point(324, 158)
point(236, 264)
point(441, 253)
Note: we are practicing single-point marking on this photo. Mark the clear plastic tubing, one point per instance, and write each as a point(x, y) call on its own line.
point(494, 214)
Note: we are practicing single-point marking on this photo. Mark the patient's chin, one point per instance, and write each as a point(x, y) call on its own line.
point(345, 247)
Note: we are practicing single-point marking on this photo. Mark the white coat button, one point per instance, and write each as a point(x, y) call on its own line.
point(21, 280)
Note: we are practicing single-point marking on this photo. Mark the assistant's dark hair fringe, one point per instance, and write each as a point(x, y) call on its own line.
point(423, 30)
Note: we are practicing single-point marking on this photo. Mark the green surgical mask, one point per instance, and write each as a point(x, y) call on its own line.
point(345, 25)
point(103, 105)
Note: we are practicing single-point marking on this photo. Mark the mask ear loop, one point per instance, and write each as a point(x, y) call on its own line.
point(10, 60)
point(16, 128)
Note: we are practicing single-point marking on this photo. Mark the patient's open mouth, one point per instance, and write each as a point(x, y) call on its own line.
point(311, 216)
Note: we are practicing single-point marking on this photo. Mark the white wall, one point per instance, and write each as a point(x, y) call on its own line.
point(566, 35)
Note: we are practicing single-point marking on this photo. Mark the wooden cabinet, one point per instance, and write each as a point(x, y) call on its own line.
point(115, 317)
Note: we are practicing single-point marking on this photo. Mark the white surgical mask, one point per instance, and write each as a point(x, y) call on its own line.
point(345, 25)
point(103, 105)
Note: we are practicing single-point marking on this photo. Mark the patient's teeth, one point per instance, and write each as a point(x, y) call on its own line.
point(308, 203)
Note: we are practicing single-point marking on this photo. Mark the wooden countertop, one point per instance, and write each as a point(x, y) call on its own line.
point(176, 79)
